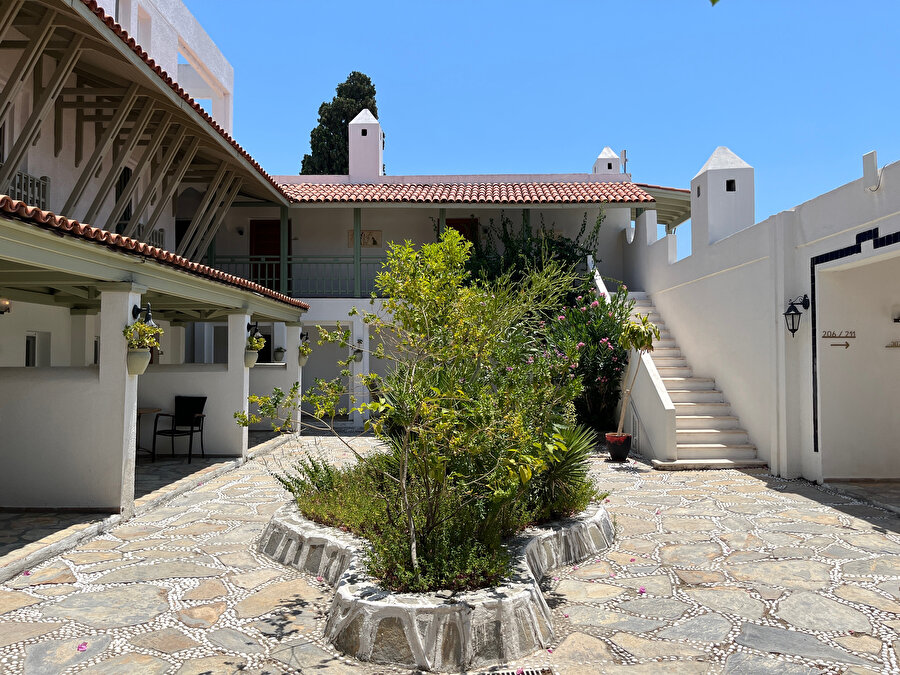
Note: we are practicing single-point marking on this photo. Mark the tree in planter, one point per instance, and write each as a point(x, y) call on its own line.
point(474, 416)
point(637, 336)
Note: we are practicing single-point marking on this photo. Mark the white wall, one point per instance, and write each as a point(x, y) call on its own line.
point(26, 317)
point(860, 385)
point(54, 445)
point(724, 305)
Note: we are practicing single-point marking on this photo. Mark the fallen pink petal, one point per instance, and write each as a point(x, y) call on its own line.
point(642, 590)
point(26, 573)
point(631, 560)
point(82, 647)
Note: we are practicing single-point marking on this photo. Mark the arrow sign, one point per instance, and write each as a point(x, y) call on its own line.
point(845, 345)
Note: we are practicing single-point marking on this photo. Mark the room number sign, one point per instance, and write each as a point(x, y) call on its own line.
point(839, 334)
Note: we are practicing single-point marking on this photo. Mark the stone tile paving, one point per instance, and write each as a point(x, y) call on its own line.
point(713, 572)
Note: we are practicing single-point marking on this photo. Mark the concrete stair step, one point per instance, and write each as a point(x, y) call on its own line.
point(695, 396)
point(666, 353)
point(700, 421)
point(674, 371)
point(694, 383)
point(715, 451)
point(638, 295)
point(669, 361)
point(711, 436)
point(664, 343)
point(700, 464)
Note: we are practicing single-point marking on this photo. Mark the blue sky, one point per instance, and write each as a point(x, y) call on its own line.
point(800, 89)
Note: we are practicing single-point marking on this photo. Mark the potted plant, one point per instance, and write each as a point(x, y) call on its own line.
point(251, 353)
point(637, 336)
point(303, 354)
point(278, 353)
point(141, 337)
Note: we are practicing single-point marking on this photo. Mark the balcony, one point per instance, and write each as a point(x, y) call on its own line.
point(309, 276)
point(30, 189)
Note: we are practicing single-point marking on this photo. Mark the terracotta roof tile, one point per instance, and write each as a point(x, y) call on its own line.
point(50, 221)
point(536, 192)
point(165, 77)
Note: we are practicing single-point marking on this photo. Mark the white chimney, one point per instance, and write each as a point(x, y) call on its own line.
point(607, 162)
point(366, 147)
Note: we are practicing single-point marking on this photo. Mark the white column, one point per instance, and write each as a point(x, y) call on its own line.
point(360, 391)
point(175, 349)
point(115, 472)
point(78, 350)
point(237, 384)
point(294, 372)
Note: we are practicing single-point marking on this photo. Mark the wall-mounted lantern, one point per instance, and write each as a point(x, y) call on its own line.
point(253, 330)
point(137, 310)
point(5, 306)
point(358, 352)
point(792, 314)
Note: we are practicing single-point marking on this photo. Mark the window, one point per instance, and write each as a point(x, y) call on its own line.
point(121, 184)
point(30, 350)
point(97, 350)
point(363, 132)
point(609, 165)
point(730, 185)
point(698, 190)
point(144, 29)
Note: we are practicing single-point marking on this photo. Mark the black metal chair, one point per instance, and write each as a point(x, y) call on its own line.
point(186, 421)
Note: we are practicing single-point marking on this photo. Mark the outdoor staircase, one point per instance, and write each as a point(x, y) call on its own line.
point(707, 433)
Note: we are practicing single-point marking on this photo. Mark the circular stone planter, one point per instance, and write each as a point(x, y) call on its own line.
point(435, 631)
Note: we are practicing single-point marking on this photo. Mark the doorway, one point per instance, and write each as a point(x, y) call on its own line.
point(265, 248)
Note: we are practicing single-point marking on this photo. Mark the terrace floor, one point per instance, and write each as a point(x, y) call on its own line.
point(711, 572)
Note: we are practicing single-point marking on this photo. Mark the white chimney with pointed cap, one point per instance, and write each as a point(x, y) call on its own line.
point(607, 162)
point(366, 147)
point(722, 196)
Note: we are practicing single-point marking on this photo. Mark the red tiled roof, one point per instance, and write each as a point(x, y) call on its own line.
point(470, 193)
point(61, 225)
point(165, 77)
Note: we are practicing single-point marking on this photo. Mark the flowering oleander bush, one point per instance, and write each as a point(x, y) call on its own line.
point(594, 324)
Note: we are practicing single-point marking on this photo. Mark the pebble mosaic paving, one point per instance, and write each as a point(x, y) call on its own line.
point(726, 571)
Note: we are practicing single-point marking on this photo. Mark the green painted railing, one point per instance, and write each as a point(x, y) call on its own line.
point(309, 276)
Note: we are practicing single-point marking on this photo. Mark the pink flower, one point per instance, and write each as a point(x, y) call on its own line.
point(578, 298)
point(555, 578)
point(519, 671)
point(575, 567)
point(612, 574)
point(579, 345)
point(320, 579)
point(584, 309)
point(566, 616)
point(657, 511)
point(606, 500)
point(82, 646)
point(550, 650)
point(595, 304)
point(26, 573)
point(642, 590)
point(631, 560)
point(561, 317)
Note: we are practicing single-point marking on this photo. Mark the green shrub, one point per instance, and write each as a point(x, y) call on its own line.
point(565, 487)
point(594, 323)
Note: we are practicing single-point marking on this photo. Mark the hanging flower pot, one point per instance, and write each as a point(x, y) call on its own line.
point(302, 359)
point(250, 357)
point(303, 354)
point(278, 353)
point(137, 360)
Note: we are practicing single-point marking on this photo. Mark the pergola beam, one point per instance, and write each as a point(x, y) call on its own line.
point(8, 16)
point(112, 175)
point(124, 199)
point(102, 147)
point(205, 205)
point(171, 187)
point(155, 181)
point(218, 218)
point(26, 64)
point(41, 108)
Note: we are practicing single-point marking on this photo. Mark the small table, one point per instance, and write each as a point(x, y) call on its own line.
point(137, 439)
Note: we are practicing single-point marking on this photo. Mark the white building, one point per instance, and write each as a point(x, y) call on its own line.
point(93, 128)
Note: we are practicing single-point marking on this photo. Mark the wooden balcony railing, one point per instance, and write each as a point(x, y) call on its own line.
point(30, 189)
point(309, 276)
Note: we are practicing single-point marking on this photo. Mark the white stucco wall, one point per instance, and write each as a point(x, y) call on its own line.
point(724, 305)
point(24, 318)
point(55, 446)
point(859, 385)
